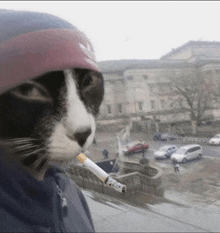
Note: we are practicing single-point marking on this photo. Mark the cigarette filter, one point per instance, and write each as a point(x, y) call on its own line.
point(101, 174)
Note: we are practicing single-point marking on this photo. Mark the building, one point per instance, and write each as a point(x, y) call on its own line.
point(139, 89)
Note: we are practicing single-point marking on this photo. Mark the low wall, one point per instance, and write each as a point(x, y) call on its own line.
point(149, 171)
point(135, 181)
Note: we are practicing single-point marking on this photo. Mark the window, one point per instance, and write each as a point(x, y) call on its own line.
point(217, 72)
point(145, 76)
point(120, 108)
point(152, 103)
point(151, 89)
point(163, 88)
point(197, 148)
point(130, 77)
point(162, 103)
point(209, 73)
point(140, 106)
point(109, 109)
point(171, 104)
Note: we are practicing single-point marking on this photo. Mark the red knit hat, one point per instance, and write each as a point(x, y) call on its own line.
point(35, 43)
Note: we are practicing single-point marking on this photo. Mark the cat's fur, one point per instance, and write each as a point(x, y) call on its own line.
point(51, 117)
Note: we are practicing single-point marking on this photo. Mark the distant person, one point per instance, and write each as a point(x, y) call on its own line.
point(176, 166)
point(143, 151)
point(105, 154)
point(94, 142)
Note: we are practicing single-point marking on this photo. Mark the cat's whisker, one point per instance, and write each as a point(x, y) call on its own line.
point(22, 139)
point(25, 147)
point(33, 152)
point(38, 164)
point(19, 142)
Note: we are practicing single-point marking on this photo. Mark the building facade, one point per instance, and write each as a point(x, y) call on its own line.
point(140, 89)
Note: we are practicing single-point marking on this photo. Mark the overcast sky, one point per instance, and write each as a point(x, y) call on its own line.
point(132, 29)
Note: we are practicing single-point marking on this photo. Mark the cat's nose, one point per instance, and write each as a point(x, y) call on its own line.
point(82, 136)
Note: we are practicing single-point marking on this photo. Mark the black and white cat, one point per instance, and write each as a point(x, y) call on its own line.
point(51, 117)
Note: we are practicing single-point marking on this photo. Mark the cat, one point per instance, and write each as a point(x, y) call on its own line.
point(50, 117)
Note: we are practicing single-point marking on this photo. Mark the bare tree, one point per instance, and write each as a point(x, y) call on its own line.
point(196, 88)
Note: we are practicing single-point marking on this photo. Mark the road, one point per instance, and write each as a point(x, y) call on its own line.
point(210, 151)
point(108, 141)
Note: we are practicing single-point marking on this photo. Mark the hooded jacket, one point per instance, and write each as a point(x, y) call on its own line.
point(54, 204)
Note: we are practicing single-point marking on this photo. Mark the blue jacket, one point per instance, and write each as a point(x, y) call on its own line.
point(55, 204)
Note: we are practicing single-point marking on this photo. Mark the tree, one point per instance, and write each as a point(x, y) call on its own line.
point(196, 88)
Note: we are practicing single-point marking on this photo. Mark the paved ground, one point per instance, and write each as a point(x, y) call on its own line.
point(191, 201)
point(154, 215)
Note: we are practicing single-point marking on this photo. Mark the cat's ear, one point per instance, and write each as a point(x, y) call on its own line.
point(31, 91)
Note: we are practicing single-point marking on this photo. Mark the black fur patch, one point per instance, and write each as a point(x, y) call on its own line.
point(29, 111)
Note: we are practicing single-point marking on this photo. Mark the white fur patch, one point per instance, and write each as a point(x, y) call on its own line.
point(76, 120)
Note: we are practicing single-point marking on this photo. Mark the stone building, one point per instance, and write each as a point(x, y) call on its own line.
point(138, 89)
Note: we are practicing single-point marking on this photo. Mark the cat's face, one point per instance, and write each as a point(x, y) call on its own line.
point(51, 117)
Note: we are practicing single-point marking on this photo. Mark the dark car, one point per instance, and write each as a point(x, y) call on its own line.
point(168, 136)
point(159, 136)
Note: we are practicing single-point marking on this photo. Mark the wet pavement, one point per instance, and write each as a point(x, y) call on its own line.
point(145, 213)
point(191, 200)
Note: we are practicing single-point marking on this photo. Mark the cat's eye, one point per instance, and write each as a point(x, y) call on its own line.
point(31, 91)
point(89, 79)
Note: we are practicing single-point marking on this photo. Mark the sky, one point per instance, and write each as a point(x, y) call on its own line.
point(134, 29)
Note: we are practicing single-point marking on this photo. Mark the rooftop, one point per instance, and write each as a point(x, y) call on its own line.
point(112, 66)
point(121, 65)
point(190, 44)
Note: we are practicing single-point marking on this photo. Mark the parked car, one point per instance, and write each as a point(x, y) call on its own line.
point(168, 136)
point(134, 147)
point(215, 140)
point(203, 123)
point(159, 136)
point(165, 152)
point(187, 152)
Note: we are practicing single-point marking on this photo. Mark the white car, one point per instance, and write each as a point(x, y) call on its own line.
point(187, 152)
point(215, 140)
point(165, 152)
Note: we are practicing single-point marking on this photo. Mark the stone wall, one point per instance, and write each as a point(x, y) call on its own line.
point(151, 182)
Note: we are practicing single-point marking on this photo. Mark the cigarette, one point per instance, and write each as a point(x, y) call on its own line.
point(101, 174)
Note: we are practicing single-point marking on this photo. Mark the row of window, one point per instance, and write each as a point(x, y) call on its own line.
point(140, 106)
point(120, 109)
point(130, 77)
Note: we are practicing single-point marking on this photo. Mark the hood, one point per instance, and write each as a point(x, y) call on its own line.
point(33, 44)
point(177, 155)
point(214, 139)
point(29, 199)
point(159, 153)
